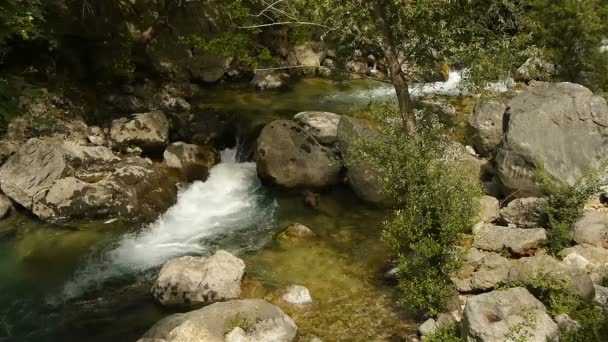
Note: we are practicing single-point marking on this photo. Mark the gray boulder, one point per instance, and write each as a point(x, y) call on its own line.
point(5, 206)
point(561, 125)
point(193, 161)
point(594, 256)
point(523, 212)
point(429, 327)
point(592, 229)
point(150, 131)
point(199, 280)
point(251, 320)
point(489, 210)
point(481, 271)
point(485, 126)
point(289, 156)
point(519, 241)
point(306, 58)
point(323, 126)
point(544, 268)
point(511, 315)
point(362, 177)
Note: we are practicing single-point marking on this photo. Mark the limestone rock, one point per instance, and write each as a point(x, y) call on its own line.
point(268, 80)
point(566, 324)
point(595, 256)
point(489, 209)
point(296, 295)
point(542, 267)
point(150, 131)
point(257, 320)
point(193, 161)
point(429, 327)
point(496, 316)
point(323, 126)
point(520, 241)
point(306, 57)
point(561, 125)
point(288, 156)
point(485, 126)
point(592, 229)
point(481, 271)
point(199, 280)
point(523, 212)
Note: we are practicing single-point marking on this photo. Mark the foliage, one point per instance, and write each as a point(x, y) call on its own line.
point(583, 25)
point(564, 204)
point(436, 201)
point(239, 322)
point(445, 334)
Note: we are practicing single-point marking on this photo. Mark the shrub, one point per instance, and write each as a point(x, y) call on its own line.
point(436, 200)
point(565, 203)
point(445, 334)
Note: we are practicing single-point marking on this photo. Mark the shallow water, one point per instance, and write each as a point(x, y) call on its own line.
point(90, 282)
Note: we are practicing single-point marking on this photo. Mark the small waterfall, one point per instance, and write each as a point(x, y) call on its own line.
point(230, 202)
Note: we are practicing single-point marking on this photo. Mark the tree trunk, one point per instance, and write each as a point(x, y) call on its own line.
point(391, 55)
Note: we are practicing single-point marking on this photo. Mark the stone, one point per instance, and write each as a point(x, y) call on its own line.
point(601, 296)
point(5, 206)
point(523, 212)
point(306, 58)
point(150, 131)
point(489, 209)
point(566, 324)
point(357, 67)
point(258, 321)
point(429, 327)
point(269, 80)
point(362, 178)
point(535, 68)
point(595, 256)
point(323, 126)
point(297, 230)
point(288, 156)
point(508, 315)
point(296, 295)
point(519, 241)
point(544, 268)
point(485, 126)
point(551, 123)
point(481, 271)
point(97, 136)
point(191, 280)
point(592, 229)
point(193, 161)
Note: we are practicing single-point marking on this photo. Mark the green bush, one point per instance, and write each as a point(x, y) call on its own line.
point(445, 334)
point(436, 201)
point(565, 203)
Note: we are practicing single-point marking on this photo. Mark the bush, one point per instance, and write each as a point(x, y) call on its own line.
point(445, 334)
point(436, 201)
point(565, 203)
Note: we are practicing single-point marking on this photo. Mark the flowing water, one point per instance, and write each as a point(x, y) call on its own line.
point(90, 282)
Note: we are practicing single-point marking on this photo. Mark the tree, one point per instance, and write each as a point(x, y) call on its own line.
point(485, 36)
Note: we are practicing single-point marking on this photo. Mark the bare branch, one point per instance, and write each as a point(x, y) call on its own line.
point(297, 23)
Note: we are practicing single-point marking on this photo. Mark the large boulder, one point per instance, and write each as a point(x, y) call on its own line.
point(362, 177)
point(306, 58)
point(323, 126)
point(561, 125)
point(199, 280)
point(193, 161)
point(524, 212)
point(511, 315)
point(519, 241)
point(150, 131)
point(592, 229)
point(534, 271)
point(251, 320)
point(289, 156)
point(485, 126)
point(481, 271)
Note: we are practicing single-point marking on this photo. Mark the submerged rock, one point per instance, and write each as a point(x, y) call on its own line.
point(251, 320)
point(561, 125)
point(297, 230)
point(323, 126)
point(296, 295)
point(199, 280)
point(288, 156)
point(509, 315)
point(150, 131)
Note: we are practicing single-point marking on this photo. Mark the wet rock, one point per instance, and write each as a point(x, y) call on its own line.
point(363, 179)
point(544, 268)
point(192, 160)
point(288, 156)
point(150, 131)
point(199, 280)
point(520, 241)
point(552, 123)
point(300, 231)
point(296, 295)
point(323, 126)
point(269, 80)
point(489, 209)
point(256, 320)
point(485, 126)
point(496, 316)
point(592, 229)
point(523, 212)
point(5, 206)
point(481, 271)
